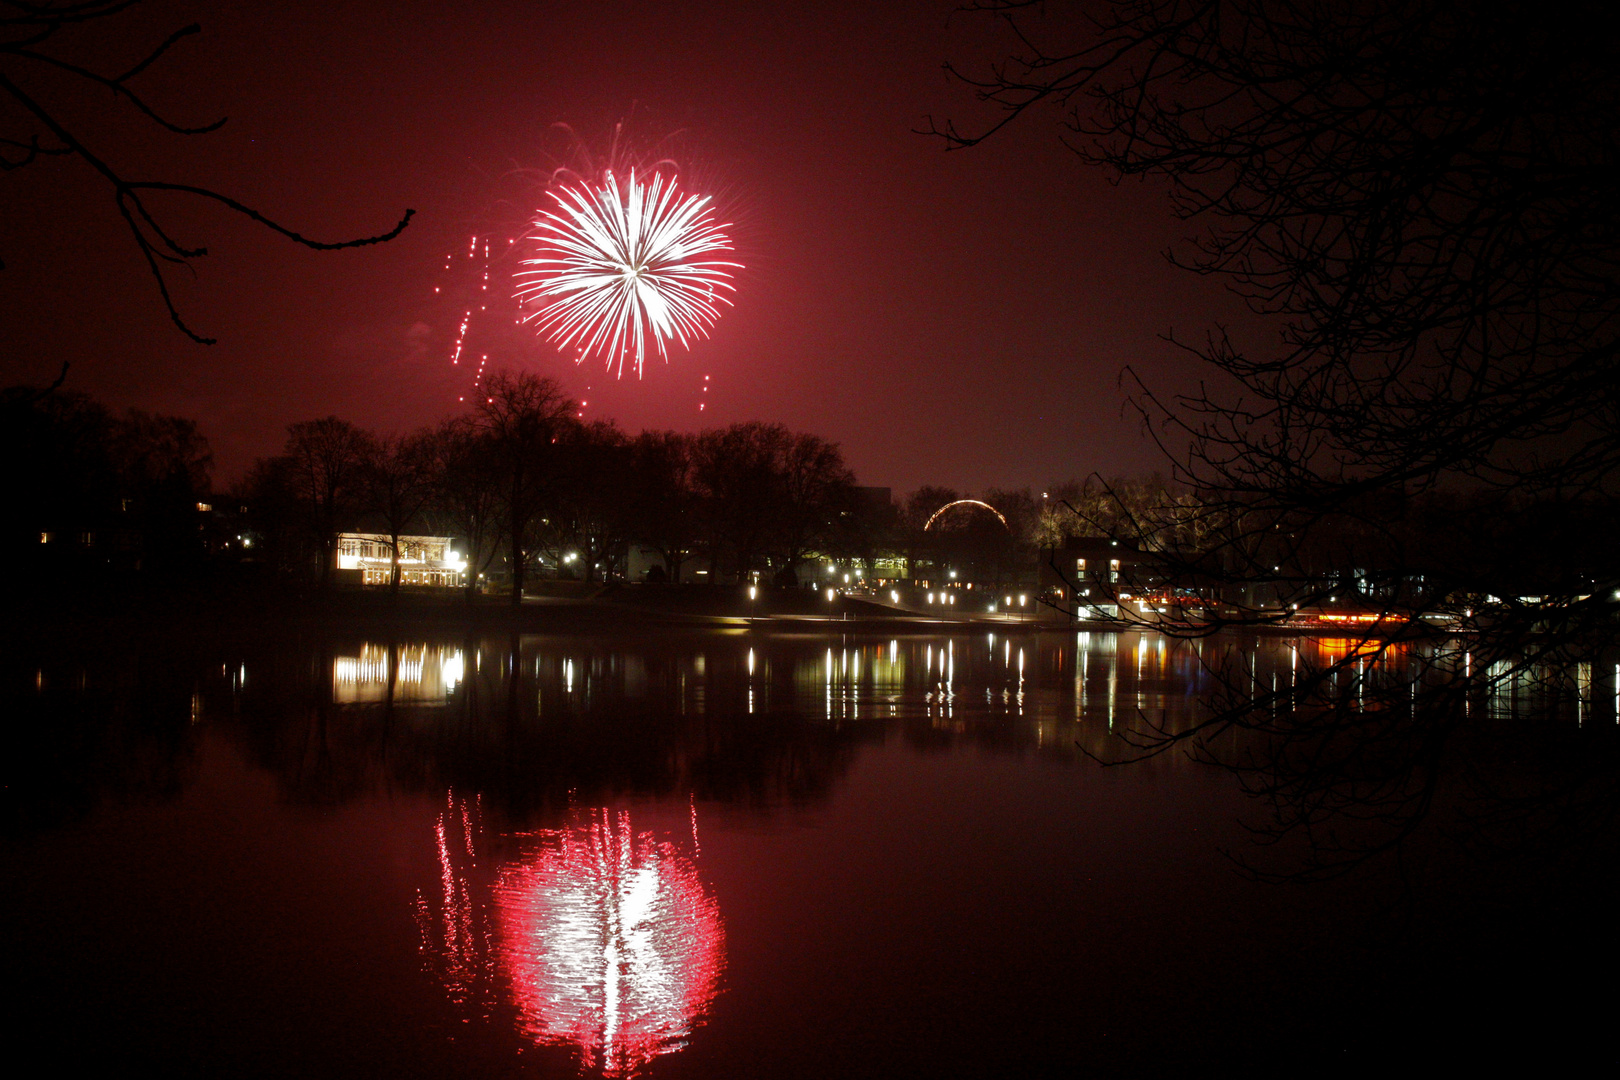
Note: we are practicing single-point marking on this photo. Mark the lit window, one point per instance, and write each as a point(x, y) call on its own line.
point(203, 508)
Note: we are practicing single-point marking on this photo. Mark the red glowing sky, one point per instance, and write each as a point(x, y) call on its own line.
point(950, 318)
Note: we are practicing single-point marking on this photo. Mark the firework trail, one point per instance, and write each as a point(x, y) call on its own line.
point(616, 268)
point(474, 284)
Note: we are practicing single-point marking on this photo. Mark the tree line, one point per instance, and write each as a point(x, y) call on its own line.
point(522, 482)
point(120, 490)
point(524, 485)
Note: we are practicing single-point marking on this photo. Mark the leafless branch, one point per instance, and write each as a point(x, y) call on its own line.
point(37, 23)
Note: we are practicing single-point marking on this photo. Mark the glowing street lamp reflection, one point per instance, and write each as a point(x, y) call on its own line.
point(609, 941)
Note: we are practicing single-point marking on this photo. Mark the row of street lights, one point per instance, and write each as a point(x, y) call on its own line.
point(943, 598)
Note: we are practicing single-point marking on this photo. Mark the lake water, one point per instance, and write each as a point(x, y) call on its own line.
point(726, 854)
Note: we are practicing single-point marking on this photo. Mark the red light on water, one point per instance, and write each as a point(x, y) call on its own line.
point(609, 942)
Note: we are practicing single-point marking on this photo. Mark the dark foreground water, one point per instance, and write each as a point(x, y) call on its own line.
point(727, 855)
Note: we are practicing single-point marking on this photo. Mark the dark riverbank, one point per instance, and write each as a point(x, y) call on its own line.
point(241, 608)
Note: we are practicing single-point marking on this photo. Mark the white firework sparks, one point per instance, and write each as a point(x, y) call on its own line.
point(613, 268)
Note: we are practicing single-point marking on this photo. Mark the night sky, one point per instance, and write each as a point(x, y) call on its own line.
point(951, 318)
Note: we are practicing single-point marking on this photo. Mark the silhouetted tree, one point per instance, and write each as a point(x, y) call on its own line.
point(920, 542)
point(467, 496)
point(62, 485)
point(1012, 551)
point(733, 468)
point(869, 529)
point(326, 467)
point(163, 464)
point(275, 517)
point(814, 491)
point(768, 492)
point(976, 543)
point(91, 489)
point(592, 511)
point(662, 498)
point(1423, 199)
point(520, 418)
point(400, 474)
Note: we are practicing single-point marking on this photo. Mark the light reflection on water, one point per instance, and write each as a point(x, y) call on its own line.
point(599, 935)
point(534, 799)
point(1077, 678)
point(609, 941)
point(418, 673)
point(454, 925)
point(602, 936)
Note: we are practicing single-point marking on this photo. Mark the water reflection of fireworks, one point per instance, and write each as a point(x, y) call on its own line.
point(610, 942)
point(457, 941)
point(604, 937)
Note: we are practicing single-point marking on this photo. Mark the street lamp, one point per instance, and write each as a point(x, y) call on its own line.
point(831, 595)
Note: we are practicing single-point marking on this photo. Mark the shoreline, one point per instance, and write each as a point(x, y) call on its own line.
point(234, 610)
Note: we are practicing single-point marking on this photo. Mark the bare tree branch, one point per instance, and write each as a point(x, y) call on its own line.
point(1424, 200)
point(39, 22)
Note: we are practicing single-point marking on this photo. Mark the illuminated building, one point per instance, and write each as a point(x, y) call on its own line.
point(368, 559)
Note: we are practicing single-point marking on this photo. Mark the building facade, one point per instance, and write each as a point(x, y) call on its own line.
point(368, 559)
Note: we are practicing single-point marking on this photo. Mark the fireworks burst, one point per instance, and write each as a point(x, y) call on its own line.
point(614, 267)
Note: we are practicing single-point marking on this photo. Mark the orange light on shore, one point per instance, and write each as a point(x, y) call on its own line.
point(1338, 648)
